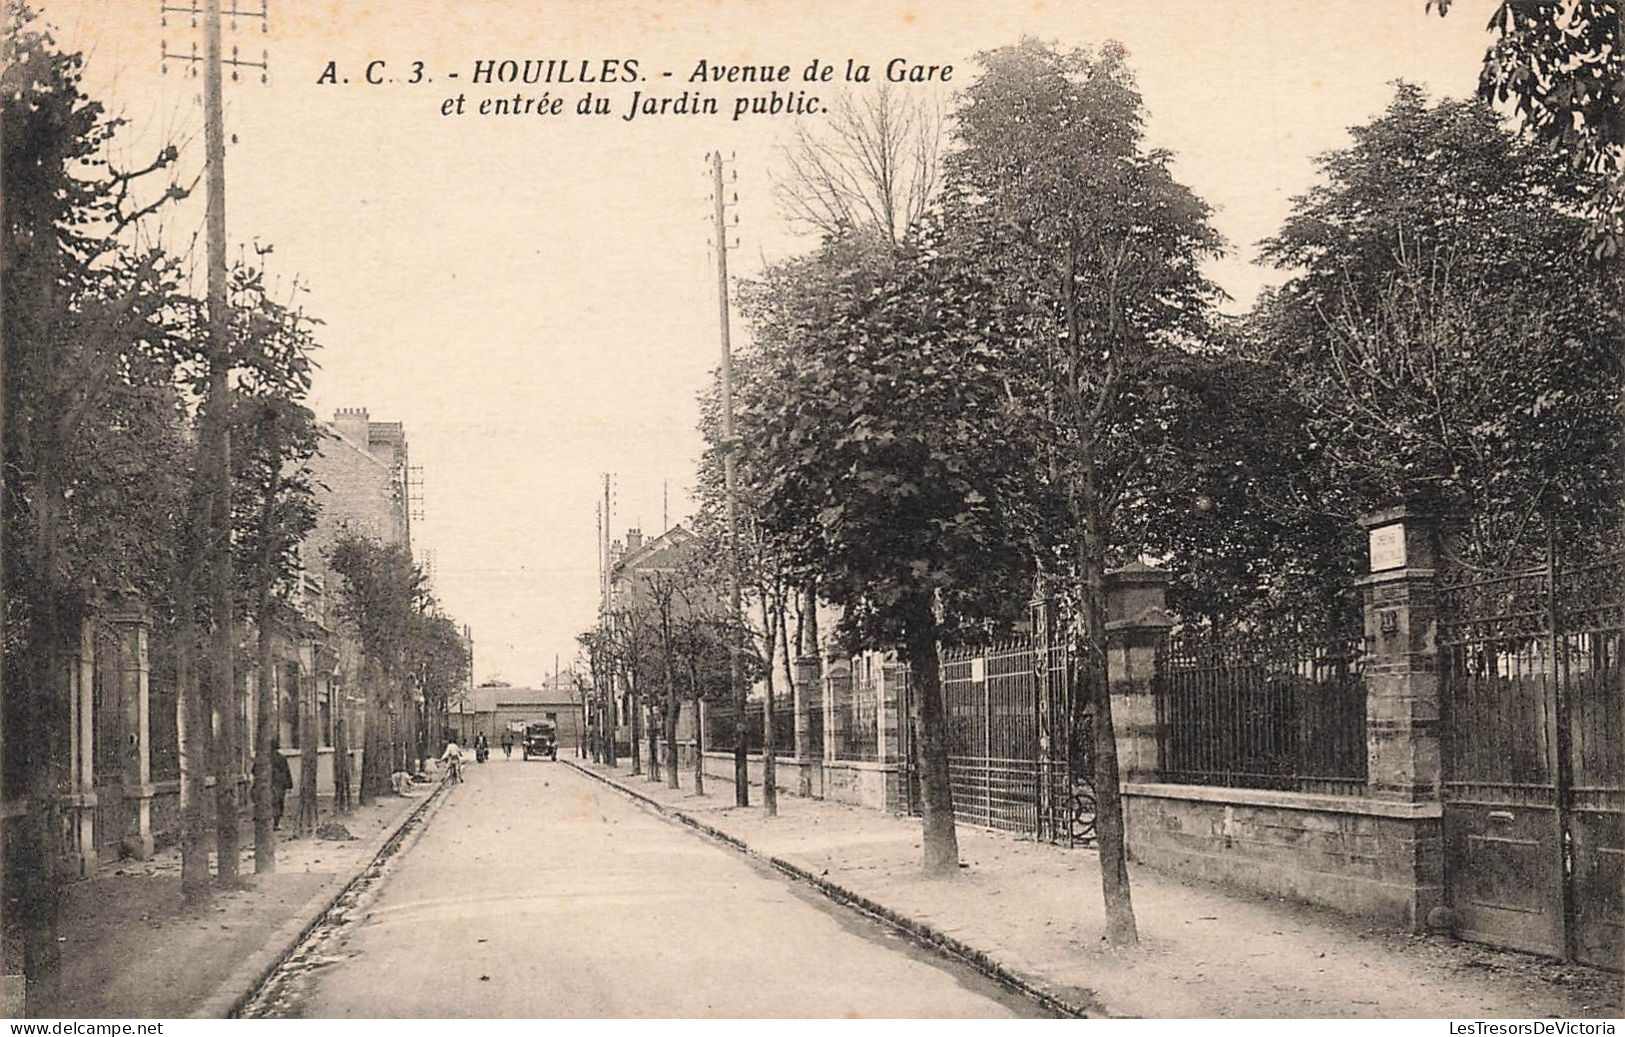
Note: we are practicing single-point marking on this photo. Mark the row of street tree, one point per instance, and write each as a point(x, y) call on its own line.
point(1003, 364)
point(109, 483)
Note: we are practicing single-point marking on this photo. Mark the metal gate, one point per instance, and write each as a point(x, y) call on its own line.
point(1534, 813)
point(1013, 764)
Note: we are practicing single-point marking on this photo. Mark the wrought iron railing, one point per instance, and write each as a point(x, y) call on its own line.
point(859, 734)
point(1254, 711)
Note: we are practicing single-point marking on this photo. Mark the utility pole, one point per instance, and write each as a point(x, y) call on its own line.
point(214, 441)
point(606, 695)
point(730, 479)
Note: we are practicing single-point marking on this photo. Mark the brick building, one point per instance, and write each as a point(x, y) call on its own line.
point(360, 478)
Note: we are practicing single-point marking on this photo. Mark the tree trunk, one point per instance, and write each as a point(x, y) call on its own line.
point(770, 770)
point(375, 752)
point(654, 740)
point(341, 760)
point(309, 739)
point(606, 729)
point(941, 843)
point(265, 676)
point(809, 649)
point(41, 878)
point(194, 738)
point(632, 732)
point(699, 749)
point(264, 737)
point(1114, 884)
point(673, 706)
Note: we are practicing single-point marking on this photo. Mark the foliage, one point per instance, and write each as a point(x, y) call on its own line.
point(384, 594)
point(1561, 63)
point(273, 433)
point(1444, 337)
point(437, 659)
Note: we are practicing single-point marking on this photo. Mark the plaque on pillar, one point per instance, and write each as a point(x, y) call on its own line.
point(1400, 537)
point(1387, 547)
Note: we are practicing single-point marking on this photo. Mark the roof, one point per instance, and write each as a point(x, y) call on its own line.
point(676, 536)
point(488, 698)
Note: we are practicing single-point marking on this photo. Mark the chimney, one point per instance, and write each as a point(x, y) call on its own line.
point(634, 540)
point(353, 424)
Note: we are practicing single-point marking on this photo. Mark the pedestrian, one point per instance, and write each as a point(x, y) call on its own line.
point(452, 757)
point(507, 744)
point(281, 782)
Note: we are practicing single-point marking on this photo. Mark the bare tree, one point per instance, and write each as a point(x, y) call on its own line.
point(873, 165)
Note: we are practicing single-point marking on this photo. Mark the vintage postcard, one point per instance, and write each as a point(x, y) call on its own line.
point(784, 509)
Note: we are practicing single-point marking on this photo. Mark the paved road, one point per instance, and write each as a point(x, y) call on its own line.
point(536, 891)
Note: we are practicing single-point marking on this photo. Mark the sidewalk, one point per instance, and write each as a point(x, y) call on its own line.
point(1035, 910)
point(131, 950)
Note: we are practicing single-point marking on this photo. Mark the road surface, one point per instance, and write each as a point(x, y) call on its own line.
point(536, 891)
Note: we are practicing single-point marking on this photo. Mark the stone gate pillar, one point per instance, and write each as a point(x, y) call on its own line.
point(1404, 764)
point(837, 700)
point(1401, 665)
point(134, 626)
point(1137, 621)
point(808, 699)
point(82, 740)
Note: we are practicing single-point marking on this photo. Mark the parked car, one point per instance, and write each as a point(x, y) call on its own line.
point(541, 740)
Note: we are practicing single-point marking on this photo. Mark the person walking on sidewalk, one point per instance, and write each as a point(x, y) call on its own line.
point(507, 745)
point(281, 782)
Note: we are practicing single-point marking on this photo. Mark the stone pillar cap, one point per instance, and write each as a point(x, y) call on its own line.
point(1152, 617)
point(1397, 512)
point(1138, 572)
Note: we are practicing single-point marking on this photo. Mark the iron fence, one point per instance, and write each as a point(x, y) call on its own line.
point(784, 724)
point(721, 734)
point(1253, 711)
point(859, 735)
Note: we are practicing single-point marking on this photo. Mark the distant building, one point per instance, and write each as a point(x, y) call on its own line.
point(497, 706)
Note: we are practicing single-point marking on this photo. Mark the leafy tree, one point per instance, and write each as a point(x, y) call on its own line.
point(439, 665)
point(1089, 232)
point(382, 593)
point(94, 457)
point(274, 436)
point(1444, 335)
point(873, 455)
point(1561, 64)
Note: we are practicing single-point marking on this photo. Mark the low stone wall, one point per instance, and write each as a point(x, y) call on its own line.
point(1379, 859)
point(786, 775)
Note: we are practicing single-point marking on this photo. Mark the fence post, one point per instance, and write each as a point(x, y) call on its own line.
point(1137, 620)
point(134, 625)
point(1041, 614)
point(1401, 671)
point(837, 698)
point(1401, 665)
point(82, 717)
point(807, 699)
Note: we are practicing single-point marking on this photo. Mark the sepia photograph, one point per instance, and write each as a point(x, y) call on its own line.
point(788, 510)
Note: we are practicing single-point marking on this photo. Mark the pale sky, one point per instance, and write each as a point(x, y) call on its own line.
point(534, 296)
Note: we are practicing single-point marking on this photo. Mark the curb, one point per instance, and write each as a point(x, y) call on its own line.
point(921, 933)
point(239, 987)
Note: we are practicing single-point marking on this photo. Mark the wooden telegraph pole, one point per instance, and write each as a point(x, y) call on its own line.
point(730, 478)
point(214, 441)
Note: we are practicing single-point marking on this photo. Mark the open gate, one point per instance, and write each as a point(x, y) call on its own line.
point(1019, 742)
point(1534, 752)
